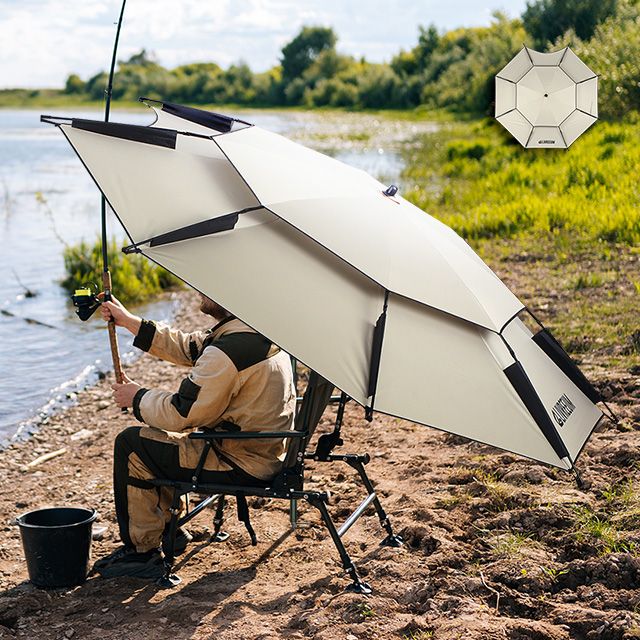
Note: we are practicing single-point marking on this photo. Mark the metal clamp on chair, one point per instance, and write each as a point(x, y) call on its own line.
point(287, 485)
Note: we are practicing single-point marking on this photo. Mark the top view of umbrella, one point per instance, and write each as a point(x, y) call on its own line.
point(546, 99)
point(380, 298)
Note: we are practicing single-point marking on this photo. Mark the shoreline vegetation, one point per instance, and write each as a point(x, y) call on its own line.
point(134, 278)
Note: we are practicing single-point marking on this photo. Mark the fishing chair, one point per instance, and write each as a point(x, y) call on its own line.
point(287, 485)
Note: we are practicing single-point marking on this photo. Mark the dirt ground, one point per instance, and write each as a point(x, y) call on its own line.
point(496, 546)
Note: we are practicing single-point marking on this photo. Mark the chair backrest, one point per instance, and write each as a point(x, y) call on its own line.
point(315, 400)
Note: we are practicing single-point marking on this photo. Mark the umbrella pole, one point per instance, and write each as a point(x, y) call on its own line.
point(106, 275)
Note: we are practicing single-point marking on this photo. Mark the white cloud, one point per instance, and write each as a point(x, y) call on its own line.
point(42, 41)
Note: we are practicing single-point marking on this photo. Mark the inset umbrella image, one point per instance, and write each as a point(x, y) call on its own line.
point(546, 100)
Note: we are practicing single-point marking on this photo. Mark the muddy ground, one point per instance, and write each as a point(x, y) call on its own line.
point(496, 546)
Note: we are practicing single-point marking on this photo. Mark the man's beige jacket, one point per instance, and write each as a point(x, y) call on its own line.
point(237, 376)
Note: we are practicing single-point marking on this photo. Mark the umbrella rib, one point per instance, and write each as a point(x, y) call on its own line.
point(559, 125)
point(224, 153)
point(529, 138)
point(529, 397)
point(563, 55)
point(215, 118)
point(55, 120)
point(525, 117)
point(506, 113)
point(562, 136)
point(508, 322)
point(595, 75)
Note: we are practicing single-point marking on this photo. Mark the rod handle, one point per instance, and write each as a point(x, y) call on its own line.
point(113, 338)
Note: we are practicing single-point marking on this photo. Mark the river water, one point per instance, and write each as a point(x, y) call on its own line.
point(47, 199)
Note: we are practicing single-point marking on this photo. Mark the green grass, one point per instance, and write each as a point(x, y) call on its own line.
point(600, 530)
point(553, 572)
point(499, 495)
point(134, 278)
point(361, 610)
point(478, 180)
point(622, 500)
point(510, 544)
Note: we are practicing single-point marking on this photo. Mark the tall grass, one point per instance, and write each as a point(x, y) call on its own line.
point(134, 278)
point(478, 180)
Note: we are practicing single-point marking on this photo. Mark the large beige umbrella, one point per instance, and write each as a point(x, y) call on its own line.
point(378, 297)
point(546, 99)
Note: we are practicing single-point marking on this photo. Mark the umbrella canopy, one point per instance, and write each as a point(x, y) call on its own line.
point(546, 99)
point(377, 296)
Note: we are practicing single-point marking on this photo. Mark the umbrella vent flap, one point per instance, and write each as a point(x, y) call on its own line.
point(209, 227)
point(209, 119)
point(133, 132)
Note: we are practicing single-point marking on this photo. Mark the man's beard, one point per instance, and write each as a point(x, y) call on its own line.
point(211, 308)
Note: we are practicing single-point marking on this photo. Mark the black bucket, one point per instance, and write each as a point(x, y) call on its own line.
point(57, 545)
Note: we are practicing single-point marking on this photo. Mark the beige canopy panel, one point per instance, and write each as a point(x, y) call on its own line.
point(546, 99)
point(375, 295)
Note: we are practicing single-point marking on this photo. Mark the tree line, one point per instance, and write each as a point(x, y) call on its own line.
point(454, 70)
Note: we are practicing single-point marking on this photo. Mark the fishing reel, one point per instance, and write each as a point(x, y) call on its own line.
point(86, 302)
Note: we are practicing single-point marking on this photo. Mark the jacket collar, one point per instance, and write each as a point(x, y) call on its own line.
point(229, 325)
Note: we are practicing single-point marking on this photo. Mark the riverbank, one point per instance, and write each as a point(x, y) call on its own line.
point(497, 546)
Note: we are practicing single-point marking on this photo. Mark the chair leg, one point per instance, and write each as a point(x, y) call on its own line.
point(170, 579)
point(357, 585)
point(218, 519)
point(392, 540)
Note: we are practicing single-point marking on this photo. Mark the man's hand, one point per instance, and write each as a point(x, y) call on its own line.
point(123, 393)
point(116, 311)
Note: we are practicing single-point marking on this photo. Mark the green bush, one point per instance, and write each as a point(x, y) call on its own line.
point(134, 278)
point(545, 20)
point(474, 149)
point(489, 188)
point(614, 54)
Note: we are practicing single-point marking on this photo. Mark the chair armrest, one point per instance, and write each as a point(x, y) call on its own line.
point(244, 435)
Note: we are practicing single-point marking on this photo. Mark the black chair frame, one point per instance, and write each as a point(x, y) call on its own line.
point(287, 485)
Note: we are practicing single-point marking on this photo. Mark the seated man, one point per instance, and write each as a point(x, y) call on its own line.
point(238, 379)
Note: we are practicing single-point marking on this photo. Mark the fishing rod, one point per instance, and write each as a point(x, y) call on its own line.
point(106, 275)
point(85, 300)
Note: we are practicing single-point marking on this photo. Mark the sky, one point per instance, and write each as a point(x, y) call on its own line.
point(43, 41)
